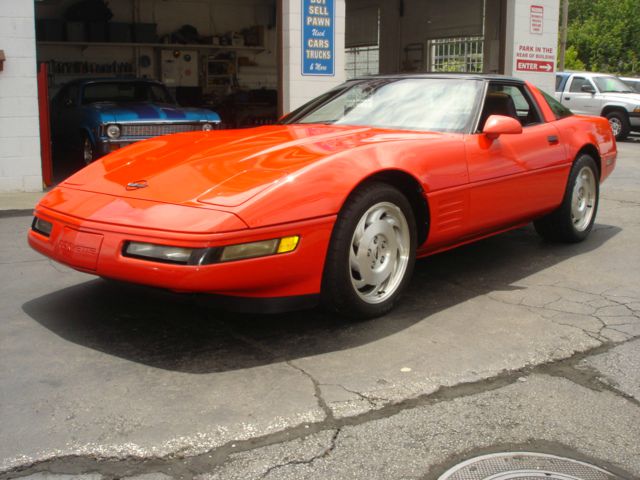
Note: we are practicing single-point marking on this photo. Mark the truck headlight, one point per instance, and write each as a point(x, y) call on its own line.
point(113, 131)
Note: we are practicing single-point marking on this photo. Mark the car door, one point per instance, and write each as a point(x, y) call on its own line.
point(578, 101)
point(515, 176)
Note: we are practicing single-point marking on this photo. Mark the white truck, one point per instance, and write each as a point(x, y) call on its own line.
point(600, 94)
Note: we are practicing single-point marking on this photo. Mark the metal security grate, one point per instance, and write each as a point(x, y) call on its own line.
point(362, 61)
point(525, 466)
point(462, 54)
point(151, 130)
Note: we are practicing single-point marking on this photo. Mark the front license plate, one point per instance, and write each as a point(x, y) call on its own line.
point(79, 249)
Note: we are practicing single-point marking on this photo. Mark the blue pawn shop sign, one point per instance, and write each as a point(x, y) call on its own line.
point(318, 19)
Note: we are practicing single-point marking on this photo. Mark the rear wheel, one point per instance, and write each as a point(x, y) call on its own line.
point(573, 221)
point(619, 122)
point(371, 254)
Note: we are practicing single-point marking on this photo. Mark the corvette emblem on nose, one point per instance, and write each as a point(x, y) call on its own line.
point(137, 184)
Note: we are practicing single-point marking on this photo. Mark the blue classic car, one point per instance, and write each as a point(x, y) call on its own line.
point(98, 116)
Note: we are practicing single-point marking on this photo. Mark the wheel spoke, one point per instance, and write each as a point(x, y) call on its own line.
point(582, 199)
point(379, 252)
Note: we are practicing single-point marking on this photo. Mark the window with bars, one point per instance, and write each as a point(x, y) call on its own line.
point(462, 54)
point(362, 61)
point(362, 41)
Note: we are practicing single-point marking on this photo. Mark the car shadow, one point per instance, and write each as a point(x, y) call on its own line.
point(172, 332)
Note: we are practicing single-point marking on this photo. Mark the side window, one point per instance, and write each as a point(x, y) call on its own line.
point(577, 83)
point(511, 101)
point(559, 110)
point(561, 82)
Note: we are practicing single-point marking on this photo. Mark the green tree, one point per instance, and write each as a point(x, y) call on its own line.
point(605, 35)
point(572, 60)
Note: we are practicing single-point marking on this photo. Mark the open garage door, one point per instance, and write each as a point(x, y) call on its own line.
point(124, 70)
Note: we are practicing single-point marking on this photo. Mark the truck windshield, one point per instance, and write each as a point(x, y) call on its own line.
point(425, 104)
point(612, 85)
point(124, 92)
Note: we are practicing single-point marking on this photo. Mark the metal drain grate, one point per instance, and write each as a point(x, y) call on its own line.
point(525, 466)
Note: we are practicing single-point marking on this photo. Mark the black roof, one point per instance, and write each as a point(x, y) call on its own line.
point(466, 76)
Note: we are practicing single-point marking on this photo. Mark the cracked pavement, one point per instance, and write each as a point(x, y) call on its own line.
point(507, 344)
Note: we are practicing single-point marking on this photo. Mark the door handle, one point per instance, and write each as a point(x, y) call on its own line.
point(553, 140)
point(567, 98)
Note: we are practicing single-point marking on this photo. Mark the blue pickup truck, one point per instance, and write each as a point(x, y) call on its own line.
point(97, 116)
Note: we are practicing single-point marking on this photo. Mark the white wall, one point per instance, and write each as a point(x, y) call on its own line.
point(20, 167)
point(299, 89)
point(519, 34)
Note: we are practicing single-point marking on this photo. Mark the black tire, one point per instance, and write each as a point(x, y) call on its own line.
point(619, 122)
point(563, 225)
point(386, 244)
point(87, 149)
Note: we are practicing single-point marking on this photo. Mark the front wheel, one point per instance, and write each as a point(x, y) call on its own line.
point(619, 123)
point(573, 221)
point(371, 254)
point(88, 154)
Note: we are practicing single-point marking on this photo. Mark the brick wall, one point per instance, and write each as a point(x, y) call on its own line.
point(20, 165)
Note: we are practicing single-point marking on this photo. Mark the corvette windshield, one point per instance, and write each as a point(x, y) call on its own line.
point(428, 104)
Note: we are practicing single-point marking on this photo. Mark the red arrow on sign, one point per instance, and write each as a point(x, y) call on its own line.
point(534, 66)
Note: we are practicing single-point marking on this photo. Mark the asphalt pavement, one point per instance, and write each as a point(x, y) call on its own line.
point(509, 344)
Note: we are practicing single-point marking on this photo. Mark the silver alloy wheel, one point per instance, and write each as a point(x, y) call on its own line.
point(87, 151)
point(583, 199)
point(616, 125)
point(379, 252)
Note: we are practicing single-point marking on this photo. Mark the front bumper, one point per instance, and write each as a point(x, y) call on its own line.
point(96, 248)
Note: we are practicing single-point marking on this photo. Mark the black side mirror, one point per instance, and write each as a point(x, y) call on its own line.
point(586, 88)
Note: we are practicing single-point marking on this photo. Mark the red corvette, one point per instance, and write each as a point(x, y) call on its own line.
point(335, 203)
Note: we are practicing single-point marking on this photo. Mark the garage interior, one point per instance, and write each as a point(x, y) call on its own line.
point(224, 55)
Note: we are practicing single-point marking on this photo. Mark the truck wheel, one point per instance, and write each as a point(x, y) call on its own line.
point(619, 124)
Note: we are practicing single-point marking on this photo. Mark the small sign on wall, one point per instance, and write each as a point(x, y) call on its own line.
point(318, 37)
point(536, 17)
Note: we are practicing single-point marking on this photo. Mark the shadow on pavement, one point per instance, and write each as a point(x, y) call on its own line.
point(172, 332)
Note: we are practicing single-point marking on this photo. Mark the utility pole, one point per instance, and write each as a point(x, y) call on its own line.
point(563, 34)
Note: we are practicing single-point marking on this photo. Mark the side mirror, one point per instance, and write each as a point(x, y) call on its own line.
point(497, 125)
point(586, 88)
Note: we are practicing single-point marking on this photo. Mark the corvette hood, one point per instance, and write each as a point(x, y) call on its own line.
point(149, 112)
point(223, 168)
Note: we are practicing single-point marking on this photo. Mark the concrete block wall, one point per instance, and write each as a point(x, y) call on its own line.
point(299, 89)
point(20, 164)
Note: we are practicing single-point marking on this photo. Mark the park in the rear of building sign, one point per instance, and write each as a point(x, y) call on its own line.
point(318, 37)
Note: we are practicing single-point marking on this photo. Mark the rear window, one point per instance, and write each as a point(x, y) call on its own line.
point(559, 110)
